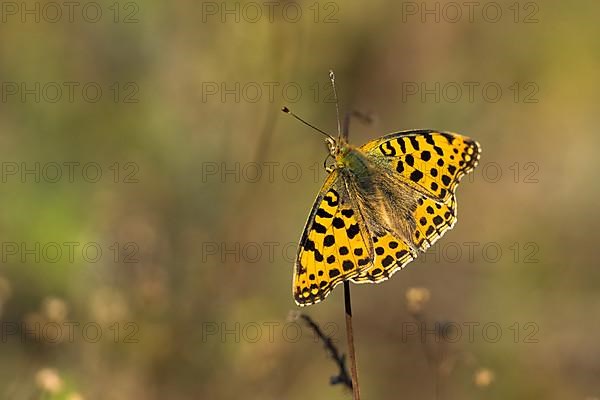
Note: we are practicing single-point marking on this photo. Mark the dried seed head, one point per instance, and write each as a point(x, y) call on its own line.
point(416, 298)
point(483, 377)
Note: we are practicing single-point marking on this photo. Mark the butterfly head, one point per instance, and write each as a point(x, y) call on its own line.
point(339, 151)
point(337, 147)
point(332, 146)
point(343, 155)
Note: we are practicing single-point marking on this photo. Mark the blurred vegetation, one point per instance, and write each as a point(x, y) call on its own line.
point(167, 306)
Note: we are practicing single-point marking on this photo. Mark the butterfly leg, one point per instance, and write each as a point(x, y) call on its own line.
point(328, 168)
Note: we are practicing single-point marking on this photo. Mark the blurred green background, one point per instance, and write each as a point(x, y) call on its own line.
point(152, 195)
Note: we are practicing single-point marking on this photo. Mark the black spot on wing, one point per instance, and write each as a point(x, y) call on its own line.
point(347, 213)
point(387, 261)
point(331, 198)
point(429, 139)
point(318, 256)
point(414, 142)
point(364, 261)
point(319, 228)
point(401, 253)
point(338, 223)
point(400, 167)
point(323, 214)
point(301, 270)
point(387, 149)
point(402, 145)
point(347, 265)
point(352, 231)
point(309, 245)
point(416, 175)
point(329, 241)
point(448, 136)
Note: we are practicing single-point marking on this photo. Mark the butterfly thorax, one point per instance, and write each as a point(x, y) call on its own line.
point(353, 159)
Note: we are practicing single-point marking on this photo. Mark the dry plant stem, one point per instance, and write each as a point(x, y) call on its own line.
point(350, 336)
point(348, 303)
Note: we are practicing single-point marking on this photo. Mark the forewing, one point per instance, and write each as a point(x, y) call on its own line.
point(335, 244)
point(431, 162)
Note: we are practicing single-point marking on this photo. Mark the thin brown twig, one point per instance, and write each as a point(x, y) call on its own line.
point(348, 303)
point(350, 336)
point(343, 377)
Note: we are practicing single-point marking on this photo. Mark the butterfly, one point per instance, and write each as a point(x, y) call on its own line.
point(381, 204)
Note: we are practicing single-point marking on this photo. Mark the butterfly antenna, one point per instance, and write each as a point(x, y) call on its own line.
point(288, 111)
point(337, 105)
